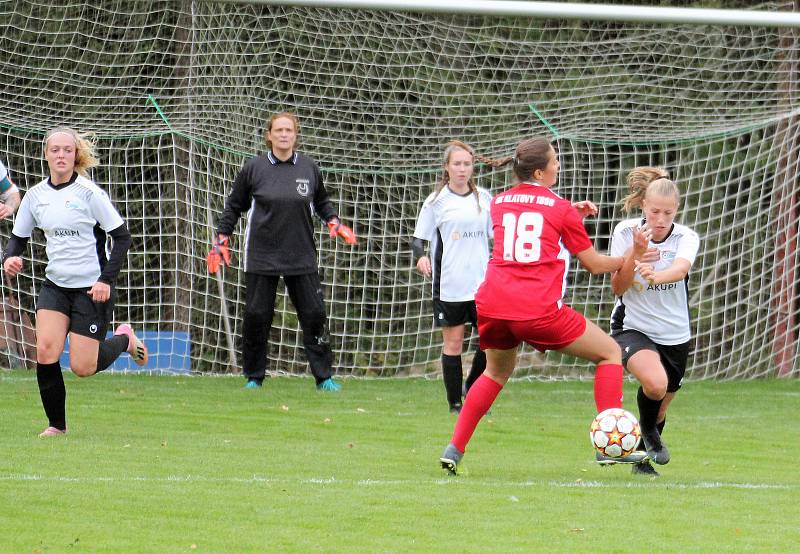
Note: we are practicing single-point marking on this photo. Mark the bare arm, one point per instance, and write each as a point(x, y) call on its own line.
point(622, 279)
point(596, 263)
point(676, 272)
point(10, 205)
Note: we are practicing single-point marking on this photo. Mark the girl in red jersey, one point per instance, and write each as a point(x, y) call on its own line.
point(535, 231)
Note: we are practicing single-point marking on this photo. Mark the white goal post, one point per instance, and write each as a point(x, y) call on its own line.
point(178, 94)
point(553, 10)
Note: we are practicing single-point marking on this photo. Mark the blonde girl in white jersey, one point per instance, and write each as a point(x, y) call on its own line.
point(650, 320)
point(77, 296)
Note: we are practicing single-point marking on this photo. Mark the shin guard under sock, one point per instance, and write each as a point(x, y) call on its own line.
point(479, 399)
point(110, 350)
point(478, 365)
point(53, 393)
point(648, 411)
point(608, 386)
point(452, 375)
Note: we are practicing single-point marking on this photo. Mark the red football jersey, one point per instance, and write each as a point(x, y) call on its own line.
point(535, 230)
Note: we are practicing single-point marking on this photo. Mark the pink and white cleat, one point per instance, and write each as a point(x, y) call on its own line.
point(136, 347)
point(52, 432)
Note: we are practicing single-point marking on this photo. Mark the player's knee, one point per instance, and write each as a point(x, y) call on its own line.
point(256, 317)
point(313, 322)
point(84, 369)
point(654, 388)
point(48, 349)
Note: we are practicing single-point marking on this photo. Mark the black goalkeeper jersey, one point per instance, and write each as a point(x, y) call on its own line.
point(281, 199)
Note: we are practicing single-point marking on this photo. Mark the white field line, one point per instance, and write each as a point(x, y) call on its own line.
point(458, 481)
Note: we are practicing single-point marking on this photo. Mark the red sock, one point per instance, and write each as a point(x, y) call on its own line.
point(479, 399)
point(608, 387)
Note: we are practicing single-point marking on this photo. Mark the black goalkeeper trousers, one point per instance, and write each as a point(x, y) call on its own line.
point(305, 292)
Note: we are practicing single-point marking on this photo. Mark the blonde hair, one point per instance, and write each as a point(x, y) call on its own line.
point(451, 147)
point(644, 180)
point(287, 115)
point(85, 156)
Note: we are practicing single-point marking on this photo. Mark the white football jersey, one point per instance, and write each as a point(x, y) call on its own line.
point(659, 311)
point(459, 235)
point(68, 214)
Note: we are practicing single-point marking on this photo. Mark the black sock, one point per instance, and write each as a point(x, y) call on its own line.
point(53, 393)
point(661, 426)
point(648, 411)
point(453, 377)
point(110, 350)
point(478, 365)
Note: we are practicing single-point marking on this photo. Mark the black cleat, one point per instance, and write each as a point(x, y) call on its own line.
point(450, 459)
point(644, 468)
point(656, 449)
point(455, 408)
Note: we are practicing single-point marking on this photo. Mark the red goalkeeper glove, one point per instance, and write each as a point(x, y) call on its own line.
point(340, 229)
point(218, 255)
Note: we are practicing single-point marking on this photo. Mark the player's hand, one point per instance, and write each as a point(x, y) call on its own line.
point(337, 228)
point(219, 254)
point(585, 207)
point(424, 266)
point(4, 211)
point(12, 266)
point(646, 271)
point(641, 241)
point(100, 292)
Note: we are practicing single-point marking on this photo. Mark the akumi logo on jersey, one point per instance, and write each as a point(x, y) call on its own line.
point(72, 205)
point(65, 233)
point(668, 255)
point(467, 235)
point(302, 186)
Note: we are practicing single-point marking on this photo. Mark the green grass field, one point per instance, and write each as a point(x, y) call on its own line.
point(199, 464)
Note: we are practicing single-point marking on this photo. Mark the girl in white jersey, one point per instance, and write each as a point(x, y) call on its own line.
point(455, 220)
point(77, 296)
point(650, 320)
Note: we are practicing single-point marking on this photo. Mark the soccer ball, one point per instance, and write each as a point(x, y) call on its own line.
point(615, 432)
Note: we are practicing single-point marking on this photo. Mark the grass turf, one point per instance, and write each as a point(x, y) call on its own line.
point(199, 464)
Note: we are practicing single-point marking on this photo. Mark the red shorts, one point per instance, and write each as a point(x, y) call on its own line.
point(552, 332)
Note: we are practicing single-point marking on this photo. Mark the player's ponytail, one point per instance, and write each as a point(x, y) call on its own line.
point(644, 180)
point(85, 156)
point(531, 154)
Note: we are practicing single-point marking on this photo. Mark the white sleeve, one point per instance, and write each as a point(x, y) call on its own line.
point(3, 171)
point(621, 240)
point(104, 211)
point(24, 221)
point(688, 246)
point(426, 222)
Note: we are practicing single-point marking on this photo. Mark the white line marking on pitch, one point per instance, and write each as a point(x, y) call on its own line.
point(15, 477)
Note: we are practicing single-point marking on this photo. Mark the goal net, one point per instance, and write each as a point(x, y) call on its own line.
point(178, 94)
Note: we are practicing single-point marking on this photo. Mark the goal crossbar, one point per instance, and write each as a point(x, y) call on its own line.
point(555, 10)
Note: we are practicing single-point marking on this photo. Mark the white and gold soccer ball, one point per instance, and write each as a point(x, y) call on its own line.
point(615, 432)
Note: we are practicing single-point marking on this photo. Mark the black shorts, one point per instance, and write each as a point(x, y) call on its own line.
point(86, 317)
point(673, 356)
point(450, 314)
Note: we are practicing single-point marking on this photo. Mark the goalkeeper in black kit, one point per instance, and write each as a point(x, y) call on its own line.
point(281, 190)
